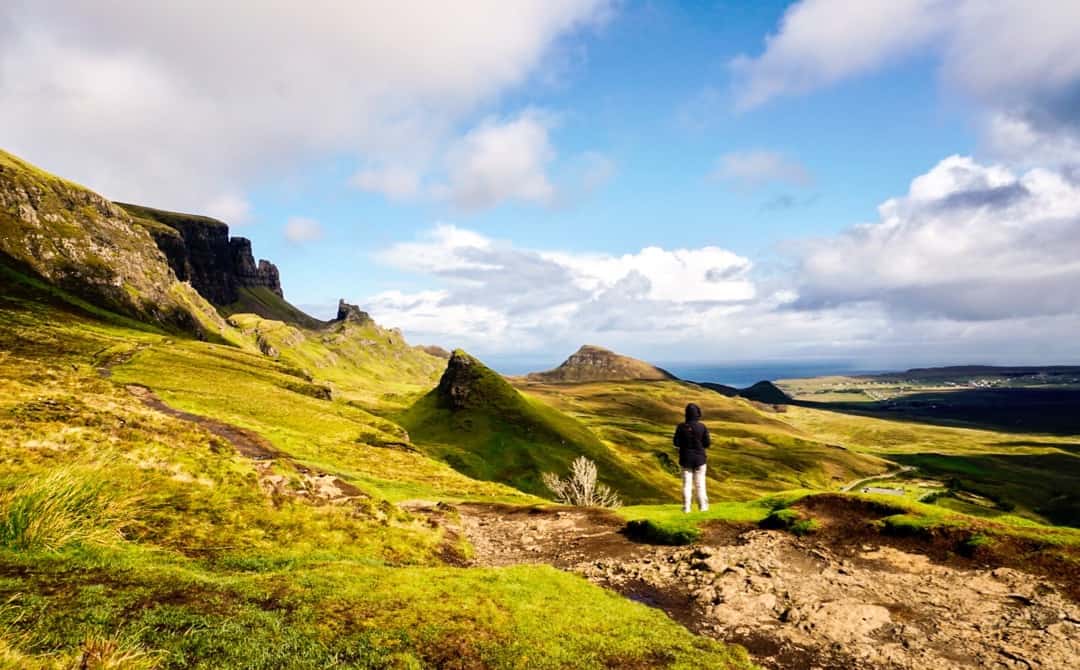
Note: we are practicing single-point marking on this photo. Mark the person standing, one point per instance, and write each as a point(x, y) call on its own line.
point(692, 439)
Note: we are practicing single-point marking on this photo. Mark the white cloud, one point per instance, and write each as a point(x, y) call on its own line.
point(968, 242)
point(501, 160)
point(233, 209)
point(975, 263)
point(1015, 57)
point(395, 183)
point(173, 103)
point(299, 229)
point(496, 295)
point(820, 42)
point(753, 169)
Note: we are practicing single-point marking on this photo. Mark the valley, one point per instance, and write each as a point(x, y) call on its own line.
point(195, 473)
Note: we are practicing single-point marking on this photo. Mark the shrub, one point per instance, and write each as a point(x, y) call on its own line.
point(62, 508)
point(581, 488)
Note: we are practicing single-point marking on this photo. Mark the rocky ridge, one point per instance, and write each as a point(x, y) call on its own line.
point(200, 251)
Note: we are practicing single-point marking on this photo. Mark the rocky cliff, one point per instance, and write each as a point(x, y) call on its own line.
point(77, 240)
point(591, 363)
point(200, 251)
point(352, 314)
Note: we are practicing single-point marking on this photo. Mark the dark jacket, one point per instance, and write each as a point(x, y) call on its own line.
point(692, 438)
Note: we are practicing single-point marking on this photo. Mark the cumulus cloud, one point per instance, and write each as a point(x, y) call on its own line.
point(230, 208)
point(820, 42)
point(968, 242)
point(175, 103)
point(1016, 58)
point(500, 295)
point(395, 183)
point(975, 262)
point(299, 229)
point(749, 170)
point(501, 160)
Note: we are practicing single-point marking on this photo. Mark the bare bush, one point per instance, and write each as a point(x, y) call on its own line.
point(580, 488)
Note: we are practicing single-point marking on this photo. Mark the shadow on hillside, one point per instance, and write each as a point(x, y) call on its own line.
point(1047, 484)
point(1015, 410)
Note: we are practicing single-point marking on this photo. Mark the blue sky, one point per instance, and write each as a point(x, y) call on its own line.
point(679, 181)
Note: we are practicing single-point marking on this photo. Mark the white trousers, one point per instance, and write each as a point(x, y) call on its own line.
point(694, 478)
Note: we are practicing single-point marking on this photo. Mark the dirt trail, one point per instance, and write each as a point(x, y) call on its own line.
point(801, 603)
point(312, 485)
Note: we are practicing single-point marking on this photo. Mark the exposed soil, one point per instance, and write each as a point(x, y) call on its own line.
point(798, 603)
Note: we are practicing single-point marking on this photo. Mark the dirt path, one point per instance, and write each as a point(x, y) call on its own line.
point(798, 603)
point(272, 465)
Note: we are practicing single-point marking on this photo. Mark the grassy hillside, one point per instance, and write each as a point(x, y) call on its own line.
point(1033, 475)
point(267, 304)
point(754, 451)
point(138, 539)
point(503, 435)
point(79, 241)
point(369, 366)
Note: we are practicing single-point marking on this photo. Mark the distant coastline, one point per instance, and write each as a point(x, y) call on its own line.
point(744, 374)
point(736, 374)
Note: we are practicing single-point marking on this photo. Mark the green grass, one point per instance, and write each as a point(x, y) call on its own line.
point(504, 435)
point(61, 508)
point(754, 452)
point(791, 520)
point(668, 524)
point(1036, 477)
point(269, 305)
point(343, 614)
point(203, 569)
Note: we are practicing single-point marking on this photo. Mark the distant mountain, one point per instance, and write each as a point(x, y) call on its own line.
point(763, 391)
point(592, 364)
point(953, 372)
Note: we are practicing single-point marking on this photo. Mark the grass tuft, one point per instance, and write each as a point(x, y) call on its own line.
point(62, 508)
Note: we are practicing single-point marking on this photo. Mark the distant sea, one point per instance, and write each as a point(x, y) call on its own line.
point(739, 375)
point(745, 374)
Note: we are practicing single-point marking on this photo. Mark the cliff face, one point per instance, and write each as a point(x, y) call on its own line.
point(77, 240)
point(201, 252)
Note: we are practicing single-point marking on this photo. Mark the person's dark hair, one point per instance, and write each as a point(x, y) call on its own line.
point(693, 412)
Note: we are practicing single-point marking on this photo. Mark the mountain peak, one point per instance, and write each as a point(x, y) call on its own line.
point(469, 383)
point(593, 363)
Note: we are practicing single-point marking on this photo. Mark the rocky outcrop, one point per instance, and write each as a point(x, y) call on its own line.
point(591, 363)
point(456, 386)
point(247, 273)
point(77, 240)
point(468, 383)
point(200, 251)
point(347, 313)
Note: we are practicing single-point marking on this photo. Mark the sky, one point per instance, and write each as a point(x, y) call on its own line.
point(887, 183)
